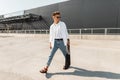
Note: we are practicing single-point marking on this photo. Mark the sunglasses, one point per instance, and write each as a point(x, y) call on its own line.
point(58, 17)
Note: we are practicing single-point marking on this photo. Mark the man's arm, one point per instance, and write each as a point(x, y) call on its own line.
point(50, 45)
point(68, 40)
point(50, 38)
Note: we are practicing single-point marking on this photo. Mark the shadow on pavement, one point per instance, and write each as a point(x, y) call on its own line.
point(87, 73)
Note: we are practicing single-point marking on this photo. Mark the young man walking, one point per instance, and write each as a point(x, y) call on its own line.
point(58, 39)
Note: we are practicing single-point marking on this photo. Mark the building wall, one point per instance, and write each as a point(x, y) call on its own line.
point(76, 14)
point(83, 13)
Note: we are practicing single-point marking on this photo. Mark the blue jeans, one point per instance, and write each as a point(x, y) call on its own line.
point(57, 44)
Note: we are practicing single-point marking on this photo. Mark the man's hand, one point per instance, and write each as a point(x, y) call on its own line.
point(68, 42)
point(50, 46)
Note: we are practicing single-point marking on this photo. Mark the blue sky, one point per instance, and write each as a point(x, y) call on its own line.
point(8, 6)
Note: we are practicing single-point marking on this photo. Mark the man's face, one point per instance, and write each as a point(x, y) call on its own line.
point(56, 18)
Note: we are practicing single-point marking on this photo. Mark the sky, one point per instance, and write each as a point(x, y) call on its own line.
point(9, 6)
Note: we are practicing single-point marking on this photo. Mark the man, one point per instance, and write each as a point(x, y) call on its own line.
point(58, 39)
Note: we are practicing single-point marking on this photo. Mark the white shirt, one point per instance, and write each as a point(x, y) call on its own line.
point(58, 31)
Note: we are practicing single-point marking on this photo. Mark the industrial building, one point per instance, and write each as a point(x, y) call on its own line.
point(76, 14)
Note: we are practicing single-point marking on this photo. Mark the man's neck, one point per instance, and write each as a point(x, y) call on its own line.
point(56, 22)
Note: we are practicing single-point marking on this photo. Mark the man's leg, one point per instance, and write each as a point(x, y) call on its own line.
point(64, 51)
point(68, 60)
point(54, 49)
point(52, 54)
point(63, 48)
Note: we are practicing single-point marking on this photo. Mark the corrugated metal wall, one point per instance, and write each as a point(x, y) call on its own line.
point(80, 14)
point(84, 13)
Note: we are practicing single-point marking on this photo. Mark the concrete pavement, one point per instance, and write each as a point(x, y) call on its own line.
point(21, 58)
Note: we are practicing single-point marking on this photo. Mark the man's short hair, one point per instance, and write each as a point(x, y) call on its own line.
point(55, 13)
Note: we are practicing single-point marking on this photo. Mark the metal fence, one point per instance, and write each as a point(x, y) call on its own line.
point(95, 31)
point(83, 31)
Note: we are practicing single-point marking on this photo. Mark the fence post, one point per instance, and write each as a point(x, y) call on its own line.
point(70, 31)
point(105, 31)
point(17, 31)
point(45, 31)
point(40, 31)
point(80, 31)
point(91, 30)
point(34, 31)
point(25, 31)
